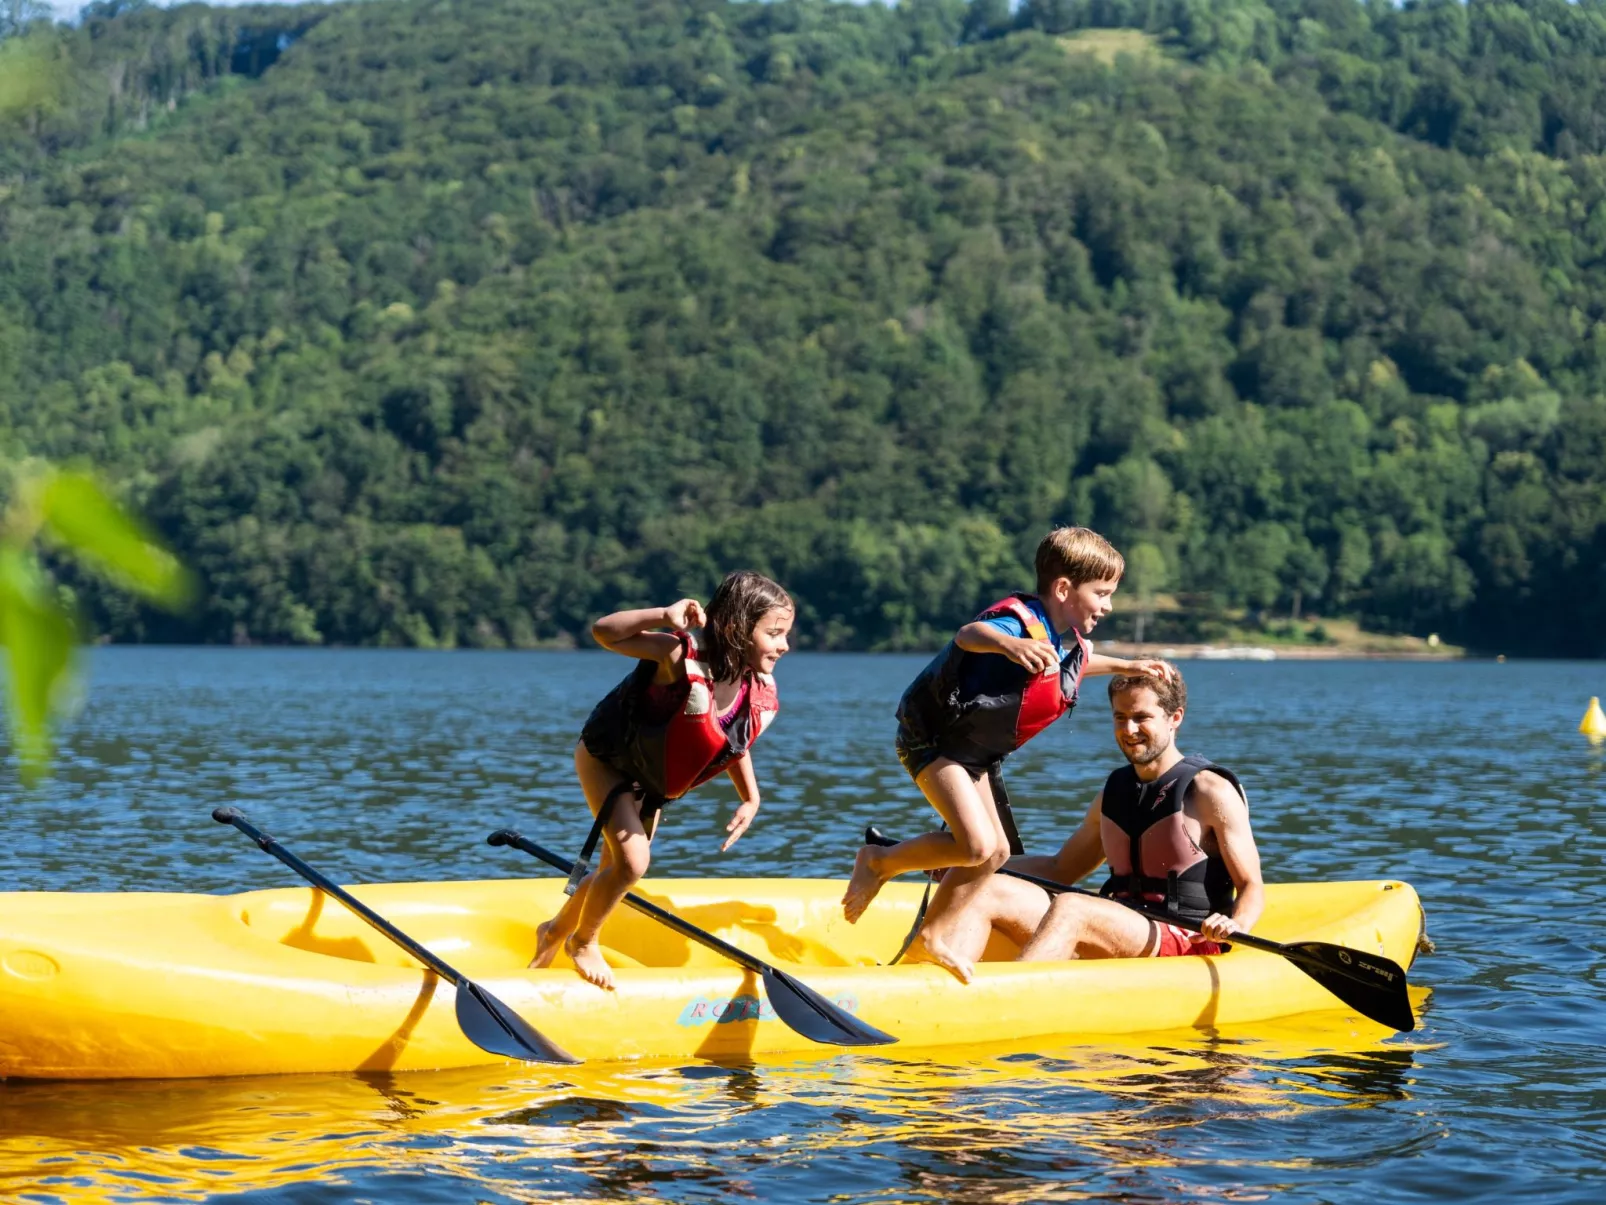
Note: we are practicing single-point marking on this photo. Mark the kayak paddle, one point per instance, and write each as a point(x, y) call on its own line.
point(795, 1003)
point(1372, 985)
point(486, 1021)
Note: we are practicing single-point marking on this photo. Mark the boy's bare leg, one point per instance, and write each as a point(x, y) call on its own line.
point(970, 853)
point(598, 780)
point(877, 865)
point(940, 938)
point(963, 804)
point(1077, 926)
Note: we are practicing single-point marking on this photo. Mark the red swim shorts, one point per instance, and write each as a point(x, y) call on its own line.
point(1175, 941)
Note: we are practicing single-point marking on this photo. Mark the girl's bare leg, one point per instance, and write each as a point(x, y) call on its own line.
point(551, 934)
point(629, 851)
point(598, 780)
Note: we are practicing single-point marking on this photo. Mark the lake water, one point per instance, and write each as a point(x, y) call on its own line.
point(1469, 780)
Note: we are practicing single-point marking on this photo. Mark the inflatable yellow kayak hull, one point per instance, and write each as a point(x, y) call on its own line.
point(99, 986)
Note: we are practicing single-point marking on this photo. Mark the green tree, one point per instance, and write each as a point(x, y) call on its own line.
point(1146, 576)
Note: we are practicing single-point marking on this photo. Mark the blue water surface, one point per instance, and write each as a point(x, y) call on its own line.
point(1467, 779)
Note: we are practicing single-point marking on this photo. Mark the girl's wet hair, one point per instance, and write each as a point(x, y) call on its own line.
point(742, 599)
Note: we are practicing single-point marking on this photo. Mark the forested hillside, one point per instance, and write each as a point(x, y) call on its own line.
point(433, 322)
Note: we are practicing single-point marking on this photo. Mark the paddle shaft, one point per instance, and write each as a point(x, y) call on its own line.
point(799, 1006)
point(269, 845)
point(685, 928)
point(1302, 958)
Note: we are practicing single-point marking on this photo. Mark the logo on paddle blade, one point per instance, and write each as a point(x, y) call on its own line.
point(723, 1010)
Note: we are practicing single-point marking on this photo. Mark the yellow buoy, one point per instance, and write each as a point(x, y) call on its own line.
point(1593, 725)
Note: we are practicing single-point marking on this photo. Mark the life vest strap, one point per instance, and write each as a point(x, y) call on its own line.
point(1185, 899)
point(1006, 812)
point(651, 806)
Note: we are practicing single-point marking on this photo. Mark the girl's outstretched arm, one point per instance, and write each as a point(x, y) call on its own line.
point(741, 773)
point(631, 632)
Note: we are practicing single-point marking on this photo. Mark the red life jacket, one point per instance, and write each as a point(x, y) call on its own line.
point(676, 743)
point(1151, 853)
point(980, 730)
point(1047, 696)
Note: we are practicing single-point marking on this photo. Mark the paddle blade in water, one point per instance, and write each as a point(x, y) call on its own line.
point(493, 1026)
point(1372, 985)
point(815, 1017)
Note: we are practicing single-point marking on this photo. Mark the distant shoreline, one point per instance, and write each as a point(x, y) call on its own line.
point(1118, 648)
point(1265, 652)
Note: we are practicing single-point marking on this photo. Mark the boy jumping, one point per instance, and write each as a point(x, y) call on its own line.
point(1002, 680)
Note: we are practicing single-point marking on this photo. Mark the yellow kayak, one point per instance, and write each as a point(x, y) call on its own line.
point(99, 986)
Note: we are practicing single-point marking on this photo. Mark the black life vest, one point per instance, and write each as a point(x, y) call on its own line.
point(669, 756)
point(977, 730)
point(1152, 855)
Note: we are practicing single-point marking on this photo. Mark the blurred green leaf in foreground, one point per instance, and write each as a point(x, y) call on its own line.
point(69, 510)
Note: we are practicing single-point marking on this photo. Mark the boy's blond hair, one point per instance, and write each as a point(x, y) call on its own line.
point(1077, 553)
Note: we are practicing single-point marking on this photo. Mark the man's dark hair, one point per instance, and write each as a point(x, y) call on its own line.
point(1172, 694)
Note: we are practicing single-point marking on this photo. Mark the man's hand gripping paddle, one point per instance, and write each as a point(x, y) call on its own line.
point(485, 1020)
point(1372, 985)
point(795, 1003)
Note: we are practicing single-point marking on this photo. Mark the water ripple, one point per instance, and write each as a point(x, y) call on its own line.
point(1466, 779)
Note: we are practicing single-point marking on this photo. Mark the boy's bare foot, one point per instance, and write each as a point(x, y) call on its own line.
point(547, 943)
point(589, 962)
point(926, 948)
point(865, 884)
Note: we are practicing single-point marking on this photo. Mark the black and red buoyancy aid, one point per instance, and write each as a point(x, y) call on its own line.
point(980, 730)
point(1151, 853)
point(678, 743)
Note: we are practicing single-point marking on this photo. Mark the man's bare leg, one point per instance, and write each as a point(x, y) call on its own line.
point(1078, 926)
point(1007, 906)
point(967, 808)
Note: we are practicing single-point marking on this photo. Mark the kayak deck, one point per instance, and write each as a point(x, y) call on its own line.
point(288, 980)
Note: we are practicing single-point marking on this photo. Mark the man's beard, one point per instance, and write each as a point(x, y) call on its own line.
point(1149, 753)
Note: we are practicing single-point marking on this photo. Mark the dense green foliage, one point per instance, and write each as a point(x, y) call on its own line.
point(425, 322)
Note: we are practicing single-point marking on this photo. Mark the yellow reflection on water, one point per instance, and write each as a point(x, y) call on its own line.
point(620, 1129)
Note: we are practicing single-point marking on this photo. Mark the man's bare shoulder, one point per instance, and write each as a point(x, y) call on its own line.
point(1216, 792)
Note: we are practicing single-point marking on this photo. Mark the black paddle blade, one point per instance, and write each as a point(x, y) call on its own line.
point(815, 1017)
point(493, 1026)
point(1372, 985)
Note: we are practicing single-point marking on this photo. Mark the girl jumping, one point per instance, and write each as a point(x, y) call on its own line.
point(690, 709)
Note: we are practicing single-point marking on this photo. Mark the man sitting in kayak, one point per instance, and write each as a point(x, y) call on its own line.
point(1175, 831)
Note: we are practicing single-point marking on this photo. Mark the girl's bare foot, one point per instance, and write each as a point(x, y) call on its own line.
point(926, 948)
point(547, 942)
point(865, 884)
point(589, 962)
